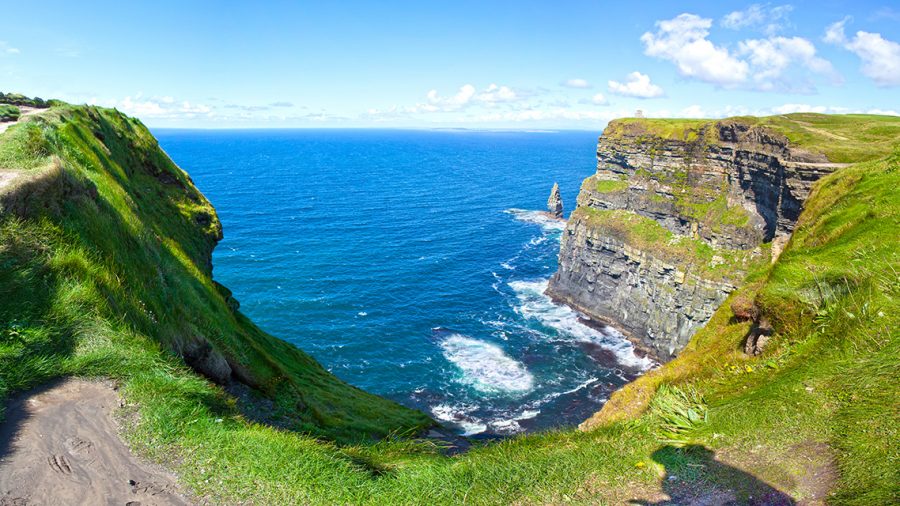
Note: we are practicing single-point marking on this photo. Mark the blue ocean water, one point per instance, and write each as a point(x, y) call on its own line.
point(412, 264)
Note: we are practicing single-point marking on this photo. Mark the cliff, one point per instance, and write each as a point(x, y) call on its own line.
point(106, 269)
point(725, 196)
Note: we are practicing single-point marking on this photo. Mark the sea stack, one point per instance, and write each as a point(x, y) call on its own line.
point(555, 203)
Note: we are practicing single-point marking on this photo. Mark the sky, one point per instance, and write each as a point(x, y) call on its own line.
point(436, 64)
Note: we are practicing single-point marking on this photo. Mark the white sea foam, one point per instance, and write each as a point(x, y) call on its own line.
point(459, 415)
point(534, 304)
point(485, 366)
point(539, 218)
point(462, 416)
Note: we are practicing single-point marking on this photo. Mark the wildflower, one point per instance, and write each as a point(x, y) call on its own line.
point(748, 369)
point(639, 465)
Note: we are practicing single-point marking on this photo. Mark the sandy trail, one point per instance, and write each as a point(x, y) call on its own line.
point(59, 445)
point(24, 111)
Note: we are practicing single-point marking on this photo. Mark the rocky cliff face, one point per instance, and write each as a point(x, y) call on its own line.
point(719, 192)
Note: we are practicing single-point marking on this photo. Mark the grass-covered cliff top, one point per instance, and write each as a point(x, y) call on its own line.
point(694, 256)
point(105, 270)
point(104, 246)
point(842, 138)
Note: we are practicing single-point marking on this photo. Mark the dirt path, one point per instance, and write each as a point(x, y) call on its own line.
point(25, 111)
point(59, 445)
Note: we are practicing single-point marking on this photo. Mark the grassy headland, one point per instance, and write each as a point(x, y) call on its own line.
point(842, 138)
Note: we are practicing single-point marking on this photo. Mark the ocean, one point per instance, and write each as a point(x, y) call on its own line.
point(412, 264)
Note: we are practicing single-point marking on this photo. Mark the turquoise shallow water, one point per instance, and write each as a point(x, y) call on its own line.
point(412, 264)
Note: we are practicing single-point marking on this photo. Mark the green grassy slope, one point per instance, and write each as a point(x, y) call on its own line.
point(105, 239)
point(830, 374)
point(842, 138)
point(101, 282)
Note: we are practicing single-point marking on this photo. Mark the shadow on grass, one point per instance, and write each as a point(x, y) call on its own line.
point(694, 476)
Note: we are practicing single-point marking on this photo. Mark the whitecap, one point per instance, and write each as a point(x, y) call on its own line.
point(362, 313)
point(485, 366)
point(547, 222)
point(507, 266)
point(533, 303)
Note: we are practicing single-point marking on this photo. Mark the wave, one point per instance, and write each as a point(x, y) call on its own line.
point(461, 416)
point(485, 366)
point(533, 303)
point(541, 218)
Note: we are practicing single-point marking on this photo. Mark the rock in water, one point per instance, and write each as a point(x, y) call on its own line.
point(555, 203)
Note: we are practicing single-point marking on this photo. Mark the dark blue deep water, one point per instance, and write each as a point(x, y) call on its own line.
point(412, 264)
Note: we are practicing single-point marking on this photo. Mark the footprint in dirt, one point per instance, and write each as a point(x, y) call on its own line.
point(79, 447)
point(148, 488)
point(60, 464)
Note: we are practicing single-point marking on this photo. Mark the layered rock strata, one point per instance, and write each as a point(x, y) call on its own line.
point(719, 194)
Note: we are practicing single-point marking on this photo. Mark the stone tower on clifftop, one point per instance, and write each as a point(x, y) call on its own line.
point(555, 203)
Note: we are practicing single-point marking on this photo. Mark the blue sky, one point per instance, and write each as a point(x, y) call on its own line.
point(482, 64)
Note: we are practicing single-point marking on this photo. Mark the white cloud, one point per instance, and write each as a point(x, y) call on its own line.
point(774, 63)
point(829, 109)
point(880, 57)
point(792, 108)
point(599, 99)
point(551, 114)
point(6, 49)
point(770, 19)
point(457, 101)
point(466, 96)
point(774, 57)
point(682, 40)
point(576, 83)
point(156, 108)
point(495, 94)
point(636, 85)
point(694, 111)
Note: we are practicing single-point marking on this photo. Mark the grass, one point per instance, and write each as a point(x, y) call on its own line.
point(842, 138)
point(122, 242)
point(105, 267)
point(9, 112)
point(830, 374)
point(694, 256)
point(610, 185)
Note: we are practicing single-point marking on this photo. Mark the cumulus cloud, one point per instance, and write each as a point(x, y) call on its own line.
point(495, 94)
point(880, 57)
point(576, 83)
point(694, 111)
point(770, 19)
point(682, 40)
point(599, 99)
point(772, 58)
point(775, 63)
point(636, 85)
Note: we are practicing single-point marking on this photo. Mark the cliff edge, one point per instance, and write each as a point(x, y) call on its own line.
point(679, 211)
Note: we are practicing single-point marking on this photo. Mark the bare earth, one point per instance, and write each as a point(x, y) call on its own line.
point(59, 446)
point(24, 111)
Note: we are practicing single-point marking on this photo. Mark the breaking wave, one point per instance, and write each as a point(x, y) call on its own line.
point(533, 303)
point(485, 366)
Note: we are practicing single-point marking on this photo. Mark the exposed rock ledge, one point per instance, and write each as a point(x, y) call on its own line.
point(729, 186)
